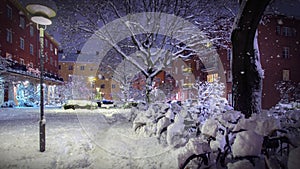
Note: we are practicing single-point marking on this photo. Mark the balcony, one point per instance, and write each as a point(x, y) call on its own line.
point(10, 66)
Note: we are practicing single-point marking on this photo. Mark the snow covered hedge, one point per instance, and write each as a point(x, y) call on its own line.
point(231, 140)
point(218, 135)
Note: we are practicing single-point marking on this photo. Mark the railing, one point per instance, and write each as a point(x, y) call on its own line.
point(15, 67)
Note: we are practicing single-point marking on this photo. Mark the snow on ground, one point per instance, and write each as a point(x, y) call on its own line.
point(77, 139)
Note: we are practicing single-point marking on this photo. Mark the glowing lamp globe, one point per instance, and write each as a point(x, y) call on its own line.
point(42, 11)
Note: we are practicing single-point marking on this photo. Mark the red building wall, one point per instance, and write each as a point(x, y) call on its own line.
point(13, 48)
point(272, 40)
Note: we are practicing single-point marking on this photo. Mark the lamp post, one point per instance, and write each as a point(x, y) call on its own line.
point(42, 11)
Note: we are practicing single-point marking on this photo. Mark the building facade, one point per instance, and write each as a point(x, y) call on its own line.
point(20, 57)
point(279, 47)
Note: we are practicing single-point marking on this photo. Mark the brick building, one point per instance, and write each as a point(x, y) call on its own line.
point(19, 53)
point(279, 45)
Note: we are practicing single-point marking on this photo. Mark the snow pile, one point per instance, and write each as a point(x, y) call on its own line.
point(293, 161)
point(210, 128)
point(247, 143)
point(195, 146)
point(175, 132)
point(262, 125)
point(242, 164)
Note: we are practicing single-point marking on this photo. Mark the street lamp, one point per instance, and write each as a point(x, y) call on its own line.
point(42, 11)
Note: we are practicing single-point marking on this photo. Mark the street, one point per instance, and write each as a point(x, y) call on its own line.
point(76, 139)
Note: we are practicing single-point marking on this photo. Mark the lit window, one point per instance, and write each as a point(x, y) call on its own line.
point(286, 52)
point(22, 22)
point(22, 43)
point(31, 49)
point(55, 51)
point(212, 77)
point(9, 12)
point(31, 30)
point(285, 75)
point(9, 35)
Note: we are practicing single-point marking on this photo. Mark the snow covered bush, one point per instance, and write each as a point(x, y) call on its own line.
point(231, 140)
point(211, 98)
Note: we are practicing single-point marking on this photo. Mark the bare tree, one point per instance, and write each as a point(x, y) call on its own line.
point(148, 34)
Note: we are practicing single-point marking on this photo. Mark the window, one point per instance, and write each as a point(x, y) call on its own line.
point(22, 22)
point(21, 61)
point(229, 76)
point(286, 52)
point(197, 65)
point(182, 82)
point(51, 47)
point(55, 63)
point(70, 67)
point(113, 86)
point(31, 49)
point(55, 51)
point(46, 43)
point(212, 77)
point(285, 75)
point(59, 67)
point(51, 60)
point(228, 54)
point(81, 67)
point(286, 31)
point(278, 30)
point(31, 31)
point(102, 86)
point(8, 12)
point(22, 43)
point(229, 98)
point(9, 35)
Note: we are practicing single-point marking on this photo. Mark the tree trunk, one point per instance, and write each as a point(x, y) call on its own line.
point(149, 86)
point(246, 75)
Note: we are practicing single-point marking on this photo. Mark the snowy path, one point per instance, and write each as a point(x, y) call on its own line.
point(77, 139)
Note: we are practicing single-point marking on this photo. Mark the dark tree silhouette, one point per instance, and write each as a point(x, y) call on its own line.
point(247, 80)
